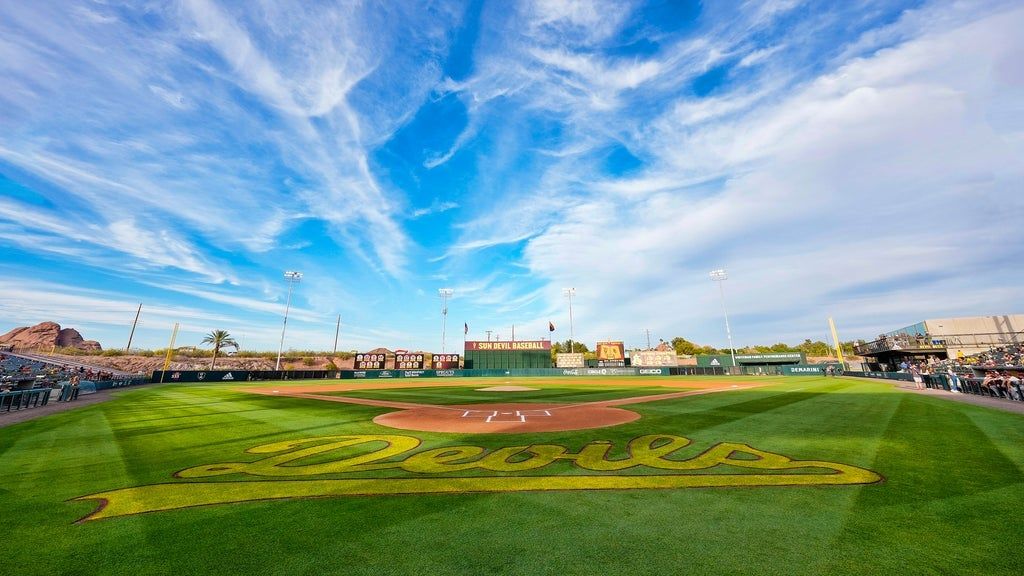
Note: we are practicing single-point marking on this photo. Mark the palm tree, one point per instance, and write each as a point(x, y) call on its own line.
point(219, 339)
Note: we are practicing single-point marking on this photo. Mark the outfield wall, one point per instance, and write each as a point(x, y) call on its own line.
point(240, 375)
point(232, 376)
point(520, 372)
point(904, 376)
point(809, 369)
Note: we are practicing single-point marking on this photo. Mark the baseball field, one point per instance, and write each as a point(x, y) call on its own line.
point(673, 475)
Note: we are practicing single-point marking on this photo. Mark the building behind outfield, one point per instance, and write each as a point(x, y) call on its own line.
point(508, 354)
point(941, 339)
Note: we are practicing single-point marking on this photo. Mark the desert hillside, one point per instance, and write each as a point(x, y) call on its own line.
point(45, 336)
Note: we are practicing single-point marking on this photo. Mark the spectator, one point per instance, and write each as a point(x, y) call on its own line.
point(954, 380)
point(916, 375)
point(993, 384)
point(1013, 386)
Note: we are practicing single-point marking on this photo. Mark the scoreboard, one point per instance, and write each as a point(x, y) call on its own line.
point(409, 361)
point(446, 362)
point(370, 361)
point(611, 354)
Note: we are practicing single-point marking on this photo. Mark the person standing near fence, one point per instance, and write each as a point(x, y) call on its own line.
point(954, 380)
point(915, 373)
point(73, 394)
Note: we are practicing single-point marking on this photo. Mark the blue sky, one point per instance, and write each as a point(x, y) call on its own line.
point(861, 160)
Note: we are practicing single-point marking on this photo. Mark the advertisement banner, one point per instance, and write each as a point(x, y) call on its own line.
point(567, 360)
point(654, 358)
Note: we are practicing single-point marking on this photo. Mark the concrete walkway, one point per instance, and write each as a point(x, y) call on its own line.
point(16, 416)
point(986, 401)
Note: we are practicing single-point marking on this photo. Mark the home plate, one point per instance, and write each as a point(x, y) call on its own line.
point(506, 389)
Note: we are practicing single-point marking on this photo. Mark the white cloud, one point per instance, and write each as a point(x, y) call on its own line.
point(758, 56)
point(583, 21)
point(436, 207)
point(870, 174)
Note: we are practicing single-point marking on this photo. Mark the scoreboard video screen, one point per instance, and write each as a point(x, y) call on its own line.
point(409, 361)
point(370, 361)
point(611, 354)
point(446, 361)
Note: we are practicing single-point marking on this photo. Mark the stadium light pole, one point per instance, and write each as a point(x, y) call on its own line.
point(445, 294)
point(292, 277)
point(570, 292)
point(721, 276)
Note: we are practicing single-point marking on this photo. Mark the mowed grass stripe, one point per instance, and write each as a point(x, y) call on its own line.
point(944, 470)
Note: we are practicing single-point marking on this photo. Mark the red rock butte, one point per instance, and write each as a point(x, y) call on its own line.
point(46, 335)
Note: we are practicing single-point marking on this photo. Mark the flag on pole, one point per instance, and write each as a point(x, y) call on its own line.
point(465, 328)
point(551, 326)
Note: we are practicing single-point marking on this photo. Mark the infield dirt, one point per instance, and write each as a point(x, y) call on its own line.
point(494, 418)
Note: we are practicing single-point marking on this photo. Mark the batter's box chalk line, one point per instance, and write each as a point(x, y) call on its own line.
point(505, 415)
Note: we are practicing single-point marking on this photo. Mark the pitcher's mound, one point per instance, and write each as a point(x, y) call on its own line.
point(507, 389)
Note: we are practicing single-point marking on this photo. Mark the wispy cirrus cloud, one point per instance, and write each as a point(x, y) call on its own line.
point(200, 148)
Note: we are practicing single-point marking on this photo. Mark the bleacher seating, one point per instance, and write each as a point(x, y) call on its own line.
point(28, 383)
point(997, 373)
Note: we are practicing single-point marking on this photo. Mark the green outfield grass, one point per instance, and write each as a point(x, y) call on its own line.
point(951, 501)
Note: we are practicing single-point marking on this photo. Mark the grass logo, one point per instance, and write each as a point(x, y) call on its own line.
point(315, 467)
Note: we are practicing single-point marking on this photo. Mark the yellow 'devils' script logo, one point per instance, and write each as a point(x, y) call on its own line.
point(305, 469)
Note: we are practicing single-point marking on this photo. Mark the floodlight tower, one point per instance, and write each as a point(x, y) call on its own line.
point(291, 277)
point(445, 294)
point(721, 276)
point(570, 292)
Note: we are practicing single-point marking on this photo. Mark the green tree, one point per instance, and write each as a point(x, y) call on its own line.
point(683, 346)
point(816, 348)
point(567, 346)
point(219, 339)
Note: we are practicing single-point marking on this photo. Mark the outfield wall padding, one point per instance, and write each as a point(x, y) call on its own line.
point(904, 376)
point(512, 372)
point(229, 376)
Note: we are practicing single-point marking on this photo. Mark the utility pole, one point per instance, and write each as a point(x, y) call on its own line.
point(488, 335)
point(337, 329)
point(648, 332)
point(134, 324)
